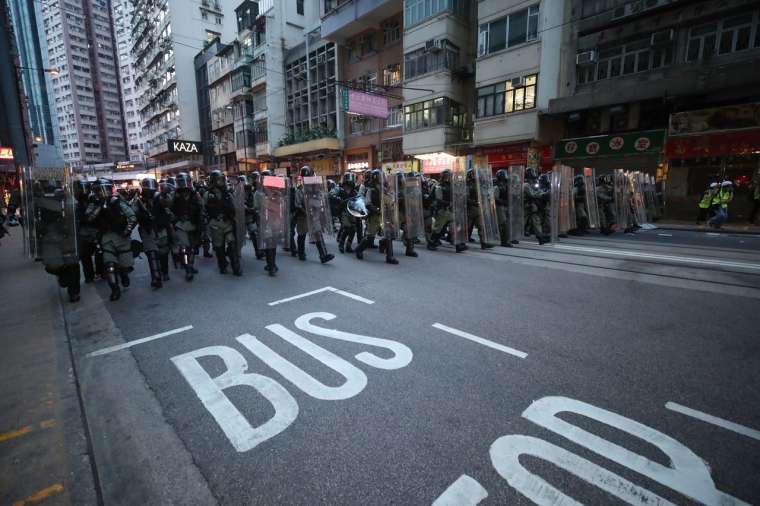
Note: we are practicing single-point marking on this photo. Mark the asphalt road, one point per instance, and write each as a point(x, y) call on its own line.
point(258, 404)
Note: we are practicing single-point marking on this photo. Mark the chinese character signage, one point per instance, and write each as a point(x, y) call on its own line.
point(732, 117)
point(364, 104)
point(632, 143)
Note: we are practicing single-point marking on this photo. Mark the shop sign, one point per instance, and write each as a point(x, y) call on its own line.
point(405, 166)
point(323, 167)
point(632, 143)
point(717, 144)
point(732, 117)
point(188, 147)
point(364, 104)
point(6, 153)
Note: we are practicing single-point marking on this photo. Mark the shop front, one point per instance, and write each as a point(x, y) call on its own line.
point(523, 154)
point(358, 160)
point(636, 151)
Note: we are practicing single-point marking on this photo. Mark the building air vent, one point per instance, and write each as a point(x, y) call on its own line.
point(585, 58)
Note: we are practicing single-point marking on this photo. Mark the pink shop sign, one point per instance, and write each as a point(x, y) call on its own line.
point(367, 104)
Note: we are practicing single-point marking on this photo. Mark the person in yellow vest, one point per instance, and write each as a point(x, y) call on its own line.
point(720, 204)
point(706, 202)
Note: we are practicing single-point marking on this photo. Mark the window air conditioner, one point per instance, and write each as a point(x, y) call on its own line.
point(517, 82)
point(585, 58)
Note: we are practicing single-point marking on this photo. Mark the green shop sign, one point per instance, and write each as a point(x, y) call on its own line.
point(632, 143)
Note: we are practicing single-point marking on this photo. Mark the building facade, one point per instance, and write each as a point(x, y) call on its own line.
point(166, 36)
point(122, 19)
point(81, 48)
point(666, 87)
point(210, 159)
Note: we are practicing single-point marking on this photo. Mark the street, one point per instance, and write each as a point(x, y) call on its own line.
point(597, 368)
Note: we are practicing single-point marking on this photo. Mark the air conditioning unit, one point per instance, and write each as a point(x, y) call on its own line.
point(585, 58)
point(517, 82)
point(662, 38)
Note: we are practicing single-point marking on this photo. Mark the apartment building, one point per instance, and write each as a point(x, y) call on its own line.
point(516, 75)
point(210, 160)
point(86, 87)
point(369, 36)
point(122, 21)
point(166, 36)
point(664, 86)
point(439, 44)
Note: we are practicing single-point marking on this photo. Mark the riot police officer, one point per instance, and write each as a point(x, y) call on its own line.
point(444, 214)
point(535, 198)
point(87, 234)
point(501, 196)
point(373, 195)
point(302, 222)
point(579, 199)
point(605, 197)
point(202, 189)
point(115, 220)
point(428, 208)
point(187, 212)
point(220, 214)
point(153, 219)
point(408, 241)
point(251, 210)
point(343, 193)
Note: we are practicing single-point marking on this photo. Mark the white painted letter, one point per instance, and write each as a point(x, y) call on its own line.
point(355, 382)
point(211, 393)
point(505, 453)
point(465, 491)
point(402, 353)
point(686, 474)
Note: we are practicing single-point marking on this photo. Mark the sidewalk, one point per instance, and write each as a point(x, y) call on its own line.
point(728, 228)
point(44, 454)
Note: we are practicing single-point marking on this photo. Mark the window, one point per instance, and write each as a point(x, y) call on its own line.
point(723, 37)
point(417, 11)
point(391, 32)
point(510, 96)
point(701, 42)
point(299, 7)
point(395, 117)
point(631, 58)
point(735, 33)
point(430, 113)
point(422, 61)
point(392, 74)
point(515, 29)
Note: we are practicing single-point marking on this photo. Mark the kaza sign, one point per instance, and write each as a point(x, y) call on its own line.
point(189, 147)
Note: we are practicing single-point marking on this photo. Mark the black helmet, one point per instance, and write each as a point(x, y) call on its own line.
point(367, 174)
point(242, 178)
point(148, 184)
point(349, 178)
point(530, 173)
point(501, 175)
point(171, 180)
point(306, 171)
point(446, 175)
point(217, 179)
point(81, 188)
point(255, 177)
point(376, 175)
point(184, 182)
point(103, 187)
point(470, 174)
point(579, 181)
point(265, 172)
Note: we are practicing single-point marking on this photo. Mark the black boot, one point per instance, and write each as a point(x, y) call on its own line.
point(155, 269)
point(504, 233)
point(113, 281)
point(177, 259)
point(485, 245)
point(164, 266)
point(271, 267)
point(124, 275)
point(341, 238)
point(190, 267)
point(381, 246)
point(371, 244)
point(409, 243)
point(260, 254)
point(87, 267)
point(72, 282)
point(349, 240)
point(389, 252)
point(324, 256)
point(207, 249)
point(293, 246)
point(434, 242)
point(221, 260)
point(460, 247)
point(361, 247)
point(234, 260)
point(302, 247)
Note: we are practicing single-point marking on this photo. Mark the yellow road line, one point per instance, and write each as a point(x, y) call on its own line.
point(5, 436)
point(41, 495)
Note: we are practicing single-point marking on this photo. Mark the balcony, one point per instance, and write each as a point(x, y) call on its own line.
point(224, 147)
point(354, 16)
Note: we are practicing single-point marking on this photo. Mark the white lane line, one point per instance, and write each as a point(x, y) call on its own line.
point(654, 256)
point(666, 235)
point(720, 422)
point(300, 296)
point(129, 344)
point(325, 289)
point(480, 340)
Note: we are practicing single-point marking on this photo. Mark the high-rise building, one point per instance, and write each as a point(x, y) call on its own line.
point(122, 20)
point(79, 35)
point(26, 18)
point(166, 36)
point(210, 160)
point(13, 123)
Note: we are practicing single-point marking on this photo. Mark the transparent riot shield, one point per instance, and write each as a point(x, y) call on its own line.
point(389, 206)
point(459, 202)
point(555, 205)
point(238, 200)
point(622, 199)
point(273, 206)
point(637, 198)
point(592, 206)
point(27, 212)
point(516, 220)
point(318, 215)
point(489, 221)
point(414, 219)
point(566, 200)
point(567, 178)
point(52, 217)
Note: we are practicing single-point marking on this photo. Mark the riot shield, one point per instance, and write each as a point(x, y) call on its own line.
point(622, 199)
point(458, 202)
point(389, 206)
point(489, 221)
point(238, 200)
point(637, 198)
point(273, 205)
point(318, 215)
point(567, 177)
point(592, 206)
point(414, 219)
point(52, 217)
point(516, 219)
point(554, 209)
point(566, 201)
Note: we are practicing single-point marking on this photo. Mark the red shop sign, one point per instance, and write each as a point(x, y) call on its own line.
point(718, 144)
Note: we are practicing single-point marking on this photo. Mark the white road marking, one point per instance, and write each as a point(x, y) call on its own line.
point(465, 491)
point(129, 344)
point(666, 235)
point(720, 422)
point(655, 256)
point(480, 340)
point(320, 290)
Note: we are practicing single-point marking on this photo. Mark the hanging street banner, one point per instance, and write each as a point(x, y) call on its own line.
point(631, 143)
point(364, 104)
